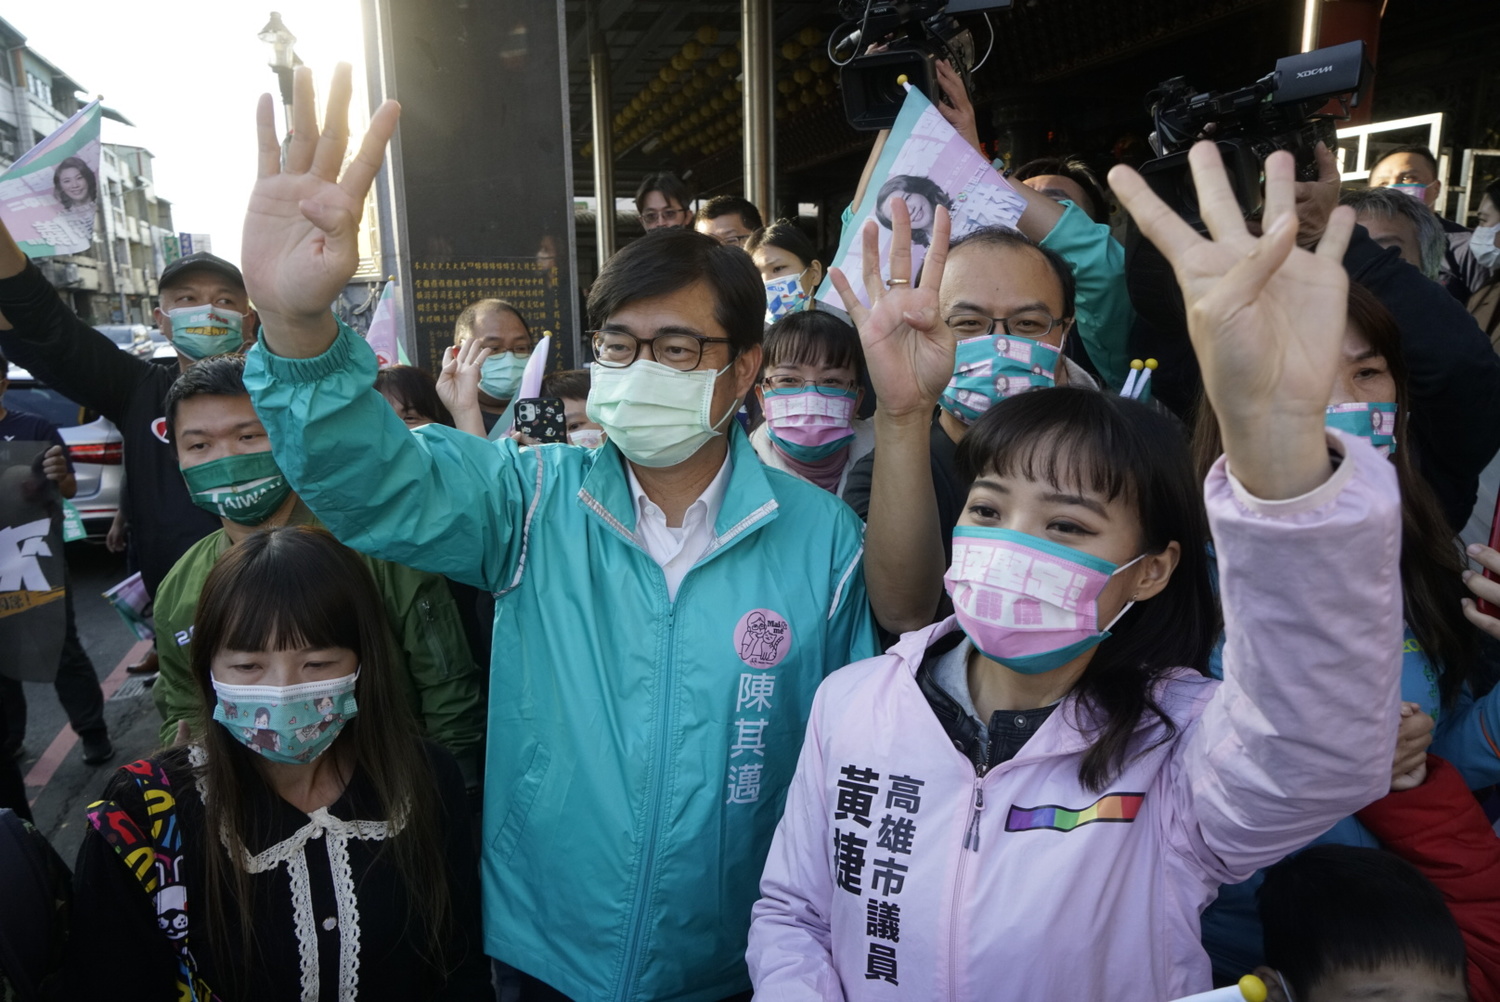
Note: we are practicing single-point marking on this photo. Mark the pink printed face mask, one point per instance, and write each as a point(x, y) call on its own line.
point(1030, 604)
point(810, 423)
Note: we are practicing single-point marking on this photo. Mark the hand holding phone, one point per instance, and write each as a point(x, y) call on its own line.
point(541, 420)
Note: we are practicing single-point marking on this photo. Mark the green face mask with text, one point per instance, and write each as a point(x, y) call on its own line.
point(201, 332)
point(244, 489)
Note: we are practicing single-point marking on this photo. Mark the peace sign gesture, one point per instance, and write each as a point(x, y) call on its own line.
point(1266, 317)
point(300, 241)
point(908, 348)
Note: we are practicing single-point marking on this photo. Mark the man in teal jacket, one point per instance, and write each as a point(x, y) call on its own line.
point(666, 606)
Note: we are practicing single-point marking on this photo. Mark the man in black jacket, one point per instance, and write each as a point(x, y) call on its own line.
point(204, 310)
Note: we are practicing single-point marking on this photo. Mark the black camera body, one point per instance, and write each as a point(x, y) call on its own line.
point(1277, 112)
point(915, 35)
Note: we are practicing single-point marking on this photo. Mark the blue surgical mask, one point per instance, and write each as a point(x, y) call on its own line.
point(1373, 422)
point(988, 369)
point(784, 295)
point(500, 376)
point(201, 332)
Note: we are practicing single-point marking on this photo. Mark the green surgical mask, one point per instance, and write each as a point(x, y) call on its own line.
point(500, 376)
point(245, 489)
point(201, 332)
point(656, 415)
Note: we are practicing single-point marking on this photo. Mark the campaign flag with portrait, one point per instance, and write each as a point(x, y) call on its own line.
point(926, 163)
point(49, 197)
point(32, 584)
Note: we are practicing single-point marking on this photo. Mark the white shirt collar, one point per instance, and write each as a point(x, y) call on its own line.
point(706, 507)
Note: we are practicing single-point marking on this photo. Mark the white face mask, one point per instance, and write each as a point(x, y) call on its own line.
point(1482, 246)
point(656, 415)
point(589, 438)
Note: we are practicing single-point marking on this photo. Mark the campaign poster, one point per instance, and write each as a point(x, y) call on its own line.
point(50, 196)
point(927, 164)
point(31, 565)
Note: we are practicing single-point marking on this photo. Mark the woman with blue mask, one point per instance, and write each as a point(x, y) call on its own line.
point(320, 846)
point(788, 265)
point(810, 392)
point(479, 389)
point(1444, 673)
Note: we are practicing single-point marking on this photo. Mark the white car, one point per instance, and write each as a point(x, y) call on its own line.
point(94, 444)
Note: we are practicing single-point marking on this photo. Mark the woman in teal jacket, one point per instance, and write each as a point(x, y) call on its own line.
point(640, 745)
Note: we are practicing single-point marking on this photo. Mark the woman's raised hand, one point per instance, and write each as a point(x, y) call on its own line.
point(1266, 317)
point(908, 349)
point(300, 242)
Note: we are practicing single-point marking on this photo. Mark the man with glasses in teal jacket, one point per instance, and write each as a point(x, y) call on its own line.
point(666, 606)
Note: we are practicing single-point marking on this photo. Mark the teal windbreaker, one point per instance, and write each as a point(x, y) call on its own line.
point(639, 750)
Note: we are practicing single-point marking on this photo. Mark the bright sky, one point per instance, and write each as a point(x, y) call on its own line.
point(188, 73)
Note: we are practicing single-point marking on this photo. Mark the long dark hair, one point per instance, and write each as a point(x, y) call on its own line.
point(1077, 438)
point(295, 587)
point(414, 388)
point(1431, 565)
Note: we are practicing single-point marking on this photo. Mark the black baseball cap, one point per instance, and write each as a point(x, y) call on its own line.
point(202, 261)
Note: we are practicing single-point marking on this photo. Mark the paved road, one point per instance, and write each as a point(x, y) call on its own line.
point(58, 782)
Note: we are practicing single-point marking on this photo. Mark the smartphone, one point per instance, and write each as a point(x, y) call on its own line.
point(542, 419)
point(1485, 607)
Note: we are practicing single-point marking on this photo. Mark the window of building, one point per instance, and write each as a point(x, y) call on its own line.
point(10, 140)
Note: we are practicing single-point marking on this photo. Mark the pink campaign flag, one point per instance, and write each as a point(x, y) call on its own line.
point(925, 163)
point(385, 329)
point(49, 197)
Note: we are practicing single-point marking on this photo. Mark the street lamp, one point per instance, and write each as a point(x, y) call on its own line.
point(284, 59)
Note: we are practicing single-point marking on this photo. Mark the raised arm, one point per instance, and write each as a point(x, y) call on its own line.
point(1302, 730)
point(909, 355)
point(43, 336)
point(300, 243)
point(436, 499)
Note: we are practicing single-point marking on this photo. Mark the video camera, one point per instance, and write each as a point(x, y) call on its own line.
point(1277, 112)
point(916, 33)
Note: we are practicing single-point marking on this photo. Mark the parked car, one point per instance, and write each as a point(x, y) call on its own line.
point(94, 444)
point(138, 339)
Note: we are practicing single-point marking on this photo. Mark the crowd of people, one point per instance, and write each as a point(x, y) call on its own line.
point(883, 653)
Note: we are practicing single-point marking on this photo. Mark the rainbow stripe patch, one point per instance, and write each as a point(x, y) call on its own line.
point(1122, 807)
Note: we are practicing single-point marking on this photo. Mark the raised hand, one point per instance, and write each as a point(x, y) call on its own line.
point(300, 241)
point(458, 384)
point(908, 348)
point(1409, 767)
point(957, 109)
point(1266, 317)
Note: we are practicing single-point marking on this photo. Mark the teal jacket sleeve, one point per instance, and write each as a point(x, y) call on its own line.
point(436, 499)
point(1468, 736)
point(851, 624)
point(1102, 304)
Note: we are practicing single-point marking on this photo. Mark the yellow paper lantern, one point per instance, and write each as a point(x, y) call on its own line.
point(692, 50)
point(679, 63)
point(802, 76)
point(819, 65)
point(729, 59)
point(791, 50)
point(786, 85)
point(658, 85)
point(667, 75)
point(707, 34)
point(809, 36)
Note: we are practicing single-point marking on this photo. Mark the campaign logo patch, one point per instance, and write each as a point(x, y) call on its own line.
point(159, 429)
point(762, 638)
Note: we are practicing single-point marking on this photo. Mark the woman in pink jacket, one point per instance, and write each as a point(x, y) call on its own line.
point(1036, 798)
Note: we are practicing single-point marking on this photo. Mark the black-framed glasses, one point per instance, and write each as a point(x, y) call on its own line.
point(1032, 324)
point(651, 217)
point(832, 386)
point(615, 349)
